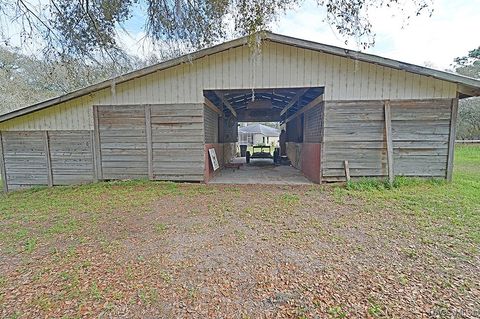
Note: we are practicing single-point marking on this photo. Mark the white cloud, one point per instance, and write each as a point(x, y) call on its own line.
point(450, 32)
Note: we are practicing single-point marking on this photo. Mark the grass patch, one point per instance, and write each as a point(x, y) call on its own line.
point(450, 209)
point(43, 215)
point(160, 228)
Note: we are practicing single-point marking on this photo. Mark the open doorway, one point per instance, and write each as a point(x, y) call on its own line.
point(258, 134)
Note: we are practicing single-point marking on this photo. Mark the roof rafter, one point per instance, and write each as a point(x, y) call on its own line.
point(226, 103)
point(293, 101)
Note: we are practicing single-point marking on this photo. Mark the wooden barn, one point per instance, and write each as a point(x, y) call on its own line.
point(383, 116)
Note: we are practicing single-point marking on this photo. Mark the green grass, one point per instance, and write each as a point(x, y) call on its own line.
point(452, 209)
point(31, 217)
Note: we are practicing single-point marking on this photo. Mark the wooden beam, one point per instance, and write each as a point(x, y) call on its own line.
point(92, 149)
point(451, 138)
point(226, 103)
point(388, 136)
point(293, 101)
point(48, 158)
point(148, 131)
point(347, 171)
point(3, 169)
point(307, 107)
point(96, 145)
point(212, 106)
point(322, 142)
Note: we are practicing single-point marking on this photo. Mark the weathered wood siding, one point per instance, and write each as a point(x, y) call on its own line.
point(123, 142)
point(71, 154)
point(210, 126)
point(355, 131)
point(177, 139)
point(25, 159)
point(33, 157)
point(277, 66)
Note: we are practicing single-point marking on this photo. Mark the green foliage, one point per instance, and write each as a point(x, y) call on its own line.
point(468, 122)
point(469, 65)
point(370, 184)
point(26, 79)
point(336, 312)
point(89, 28)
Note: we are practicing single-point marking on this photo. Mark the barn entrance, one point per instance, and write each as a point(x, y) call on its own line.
point(269, 136)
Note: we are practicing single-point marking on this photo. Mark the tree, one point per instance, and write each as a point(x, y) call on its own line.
point(469, 65)
point(88, 28)
point(468, 124)
point(25, 79)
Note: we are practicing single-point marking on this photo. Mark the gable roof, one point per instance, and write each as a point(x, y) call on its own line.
point(467, 86)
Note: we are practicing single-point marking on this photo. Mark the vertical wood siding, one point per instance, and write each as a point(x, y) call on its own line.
point(277, 66)
point(355, 131)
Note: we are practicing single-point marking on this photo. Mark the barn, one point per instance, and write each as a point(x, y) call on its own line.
point(384, 117)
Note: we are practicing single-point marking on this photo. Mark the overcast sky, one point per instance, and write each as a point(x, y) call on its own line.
point(452, 31)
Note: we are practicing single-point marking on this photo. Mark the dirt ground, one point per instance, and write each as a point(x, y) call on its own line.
point(242, 252)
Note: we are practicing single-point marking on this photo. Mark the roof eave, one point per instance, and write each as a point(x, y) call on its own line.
point(125, 77)
point(467, 82)
point(465, 85)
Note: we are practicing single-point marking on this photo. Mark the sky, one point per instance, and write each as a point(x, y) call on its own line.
point(433, 41)
point(450, 32)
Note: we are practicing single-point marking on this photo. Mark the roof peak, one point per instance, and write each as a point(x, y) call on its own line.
point(467, 86)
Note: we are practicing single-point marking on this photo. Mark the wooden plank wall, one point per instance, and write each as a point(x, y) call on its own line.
point(47, 158)
point(71, 154)
point(277, 66)
point(210, 126)
point(177, 141)
point(123, 142)
point(420, 137)
point(355, 131)
point(25, 159)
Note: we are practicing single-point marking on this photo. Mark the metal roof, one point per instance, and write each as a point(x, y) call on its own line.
point(467, 86)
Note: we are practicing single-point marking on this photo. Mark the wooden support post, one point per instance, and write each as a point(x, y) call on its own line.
point(3, 169)
point(96, 145)
point(451, 138)
point(322, 141)
point(48, 158)
point(148, 131)
point(388, 136)
point(94, 160)
point(347, 171)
